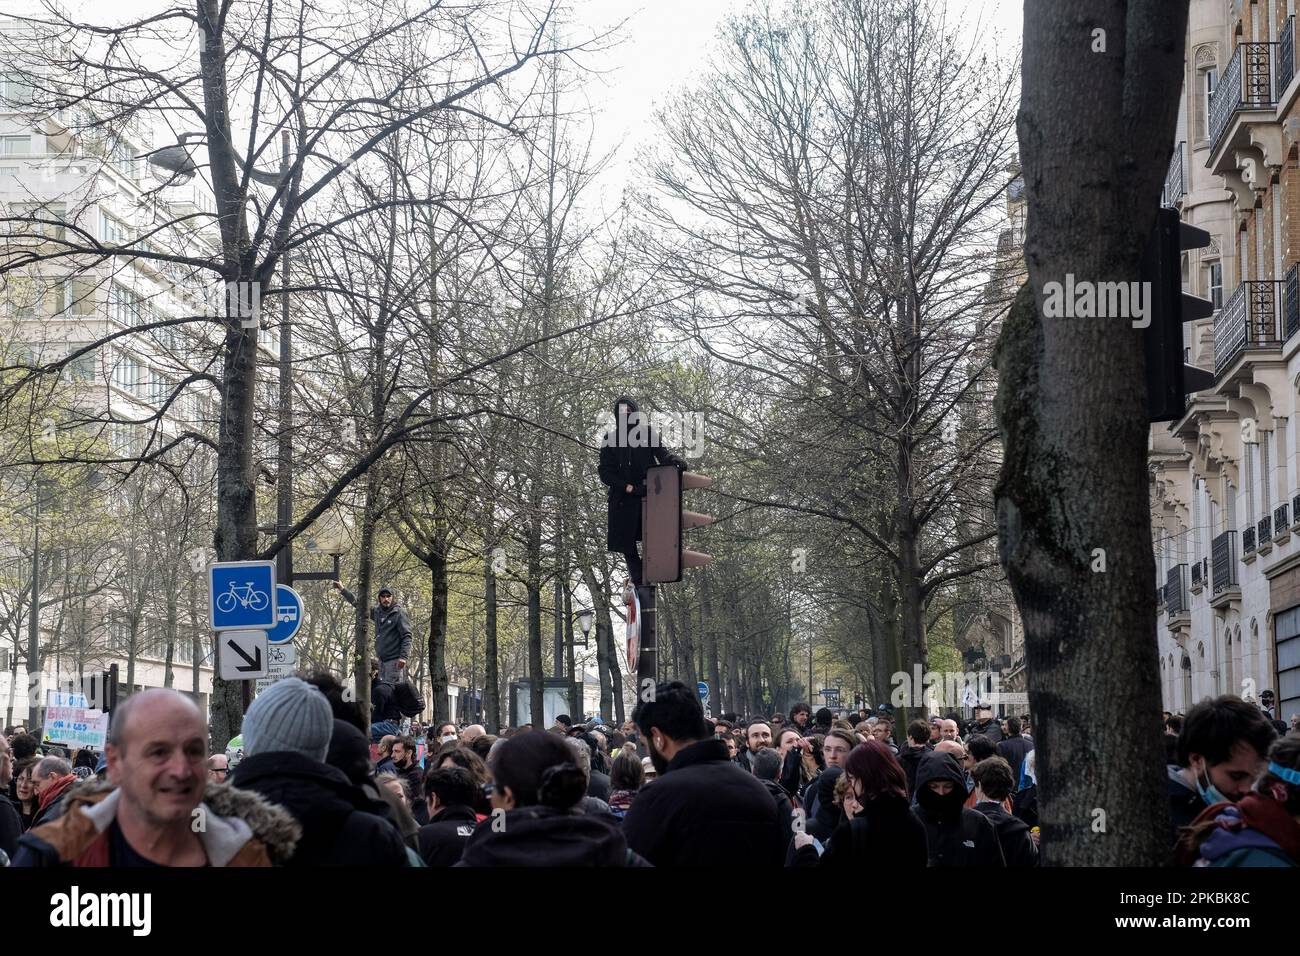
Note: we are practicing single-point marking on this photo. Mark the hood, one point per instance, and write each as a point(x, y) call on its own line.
point(307, 788)
point(625, 400)
point(940, 766)
point(382, 589)
point(349, 752)
point(234, 816)
point(543, 836)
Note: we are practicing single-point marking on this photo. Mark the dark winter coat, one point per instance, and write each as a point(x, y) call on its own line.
point(705, 811)
point(910, 758)
point(598, 786)
point(49, 806)
point(544, 836)
point(442, 840)
point(623, 461)
point(341, 826)
point(1013, 750)
point(819, 803)
point(1013, 835)
point(885, 836)
point(1185, 804)
point(784, 808)
point(11, 825)
point(956, 835)
point(383, 703)
point(992, 730)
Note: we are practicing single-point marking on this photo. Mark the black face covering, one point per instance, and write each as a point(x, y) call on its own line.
point(942, 807)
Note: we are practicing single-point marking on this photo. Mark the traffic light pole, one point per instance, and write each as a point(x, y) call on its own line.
point(648, 656)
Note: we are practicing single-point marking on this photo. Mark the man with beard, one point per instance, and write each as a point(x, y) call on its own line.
point(757, 736)
point(956, 836)
point(702, 810)
point(408, 768)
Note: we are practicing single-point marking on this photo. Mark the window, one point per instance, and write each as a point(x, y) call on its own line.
point(1209, 78)
point(15, 145)
point(79, 296)
point(127, 373)
point(82, 368)
point(111, 230)
point(15, 91)
point(1214, 273)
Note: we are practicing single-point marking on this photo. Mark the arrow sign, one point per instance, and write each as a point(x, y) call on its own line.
point(243, 655)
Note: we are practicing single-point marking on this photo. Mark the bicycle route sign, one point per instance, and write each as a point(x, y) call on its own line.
point(241, 595)
point(281, 662)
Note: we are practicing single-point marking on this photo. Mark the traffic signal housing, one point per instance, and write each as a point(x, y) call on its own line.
point(663, 520)
point(1169, 378)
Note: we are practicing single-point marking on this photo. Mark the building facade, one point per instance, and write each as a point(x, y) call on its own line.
point(1225, 478)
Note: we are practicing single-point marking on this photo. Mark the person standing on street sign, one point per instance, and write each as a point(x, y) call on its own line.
point(627, 451)
point(392, 633)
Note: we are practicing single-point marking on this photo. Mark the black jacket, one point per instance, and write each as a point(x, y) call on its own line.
point(1013, 750)
point(1185, 804)
point(11, 826)
point(543, 836)
point(910, 758)
point(624, 460)
point(784, 808)
point(1013, 835)
point(956, 836)
point(819, 803)
point(992, 730)
point(341, 826)
point(705, 811)
point(443, 839)
point(383, 703)
point(598, 787)
point(884, 837)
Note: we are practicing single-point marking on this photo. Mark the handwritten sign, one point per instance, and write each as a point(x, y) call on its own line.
point(75, 726)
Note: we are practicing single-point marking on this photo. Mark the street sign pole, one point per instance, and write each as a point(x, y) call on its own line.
point(647, 659)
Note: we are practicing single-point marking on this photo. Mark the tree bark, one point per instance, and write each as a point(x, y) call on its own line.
point(1096, 130)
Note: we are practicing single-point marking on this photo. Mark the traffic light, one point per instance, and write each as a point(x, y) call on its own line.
point(1169, 379)
point(663, 520)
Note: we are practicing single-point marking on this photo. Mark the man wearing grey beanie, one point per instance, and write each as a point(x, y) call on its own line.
point(287, 734)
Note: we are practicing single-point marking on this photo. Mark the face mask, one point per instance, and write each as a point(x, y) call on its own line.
point(1209, 792)
point(447, 738)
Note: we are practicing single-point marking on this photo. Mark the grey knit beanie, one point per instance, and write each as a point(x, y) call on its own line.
point(289, 716)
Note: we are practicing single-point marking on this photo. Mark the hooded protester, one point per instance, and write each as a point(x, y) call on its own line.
point(535, 817)
point(955, 835)
point(1260, 829)
point(627, 451)
point(879, 832)
point(826, 816)
point(916, 746)
point(392, 632)
point(287, 734)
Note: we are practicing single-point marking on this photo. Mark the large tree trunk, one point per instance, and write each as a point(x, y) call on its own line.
point(604, 625)
point(365, 575)
point(438, 637)
point(1096, 130)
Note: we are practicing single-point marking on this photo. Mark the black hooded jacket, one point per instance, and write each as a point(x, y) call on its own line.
point(956, 835)
point(825, 815)
point(626, 452)
point(341, 826)
point(442, 840)
point(544, 836)
point(884, 837)
point(910, 758)
point(1013, 835)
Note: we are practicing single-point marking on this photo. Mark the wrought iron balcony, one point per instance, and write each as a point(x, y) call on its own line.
point(1247, 84)
point(1223, 561)
point(1176, 603)
point(1247, 541)
point(1198, 574)
point(1285, 65)
point(1175, 179)
point(1160, 596)
point(1293, 300)
point(1281, 518)
point(1265, 527)
point(1250, 319)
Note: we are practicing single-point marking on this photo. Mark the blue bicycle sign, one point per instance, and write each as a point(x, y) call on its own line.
point(241, 594)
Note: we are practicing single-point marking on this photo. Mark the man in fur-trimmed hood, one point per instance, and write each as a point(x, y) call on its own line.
point(158, 808)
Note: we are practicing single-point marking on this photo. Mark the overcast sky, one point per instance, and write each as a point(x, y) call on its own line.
point(666, 41)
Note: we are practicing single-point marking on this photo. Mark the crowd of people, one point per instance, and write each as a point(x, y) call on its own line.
point(311, 782)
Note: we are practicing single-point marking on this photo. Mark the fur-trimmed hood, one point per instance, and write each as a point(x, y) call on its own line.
point(234, 817)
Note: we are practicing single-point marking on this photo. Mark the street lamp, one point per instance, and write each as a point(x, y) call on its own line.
point(585, 617)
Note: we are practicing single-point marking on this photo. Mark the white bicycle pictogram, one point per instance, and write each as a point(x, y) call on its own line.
point(247, 596)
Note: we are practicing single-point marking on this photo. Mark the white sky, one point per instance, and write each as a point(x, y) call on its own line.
point(666, 41)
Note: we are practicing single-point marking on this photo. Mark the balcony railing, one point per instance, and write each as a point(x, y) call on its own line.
point(1176, 603)
point(1285, 55)
point(1281, 518)
point(1223, 561)
point(1247, 84)
point(1250, 319)
point(1293, 300)
point(1198, 574)
point(1247, 541)
point(1265, 528)
point(1175, 179)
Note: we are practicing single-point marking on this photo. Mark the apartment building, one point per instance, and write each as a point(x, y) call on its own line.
point(1225, 478)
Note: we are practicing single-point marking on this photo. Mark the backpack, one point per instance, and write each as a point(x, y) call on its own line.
point(409, 701)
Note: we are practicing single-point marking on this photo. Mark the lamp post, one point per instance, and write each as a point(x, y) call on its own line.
point(584, 618)
point(34, 701)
